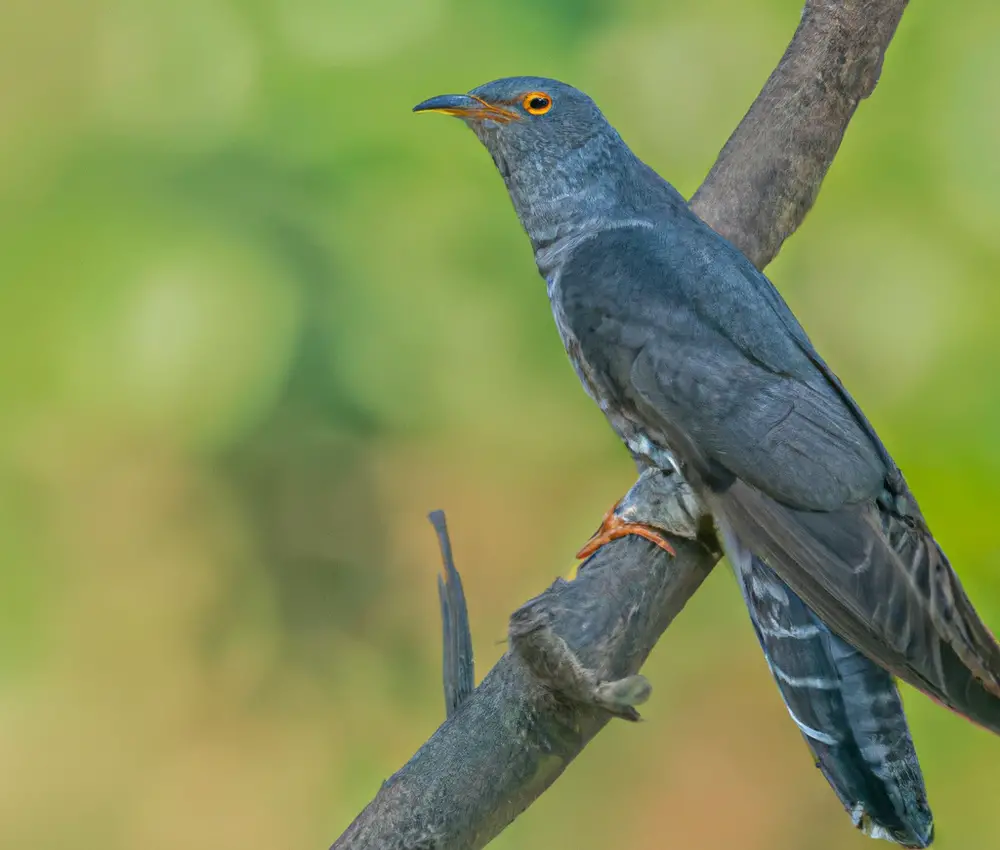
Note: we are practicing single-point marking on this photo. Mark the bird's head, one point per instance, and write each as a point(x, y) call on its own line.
point(566, 168)
point(521, 117)
point(549, 141)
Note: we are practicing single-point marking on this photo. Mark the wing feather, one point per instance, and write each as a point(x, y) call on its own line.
point(692, 348)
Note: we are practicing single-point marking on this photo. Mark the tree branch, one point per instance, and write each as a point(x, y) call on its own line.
point(575, 651)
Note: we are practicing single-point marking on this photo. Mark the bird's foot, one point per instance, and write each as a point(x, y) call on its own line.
point(614, 527)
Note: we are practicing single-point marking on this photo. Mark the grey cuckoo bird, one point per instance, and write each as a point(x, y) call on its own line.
point(699, 365)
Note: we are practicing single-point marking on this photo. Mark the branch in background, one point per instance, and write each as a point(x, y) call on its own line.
point(458, 665)
point(575, 651)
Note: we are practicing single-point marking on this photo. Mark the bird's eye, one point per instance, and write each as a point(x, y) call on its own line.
point(537, 102)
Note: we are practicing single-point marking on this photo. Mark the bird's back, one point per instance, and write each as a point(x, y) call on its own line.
point(690, 337)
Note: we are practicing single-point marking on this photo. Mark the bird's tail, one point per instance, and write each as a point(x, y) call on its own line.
point(880, 582)
point(847, 708)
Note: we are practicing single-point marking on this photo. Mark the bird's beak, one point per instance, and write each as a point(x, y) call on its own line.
point(467, 106)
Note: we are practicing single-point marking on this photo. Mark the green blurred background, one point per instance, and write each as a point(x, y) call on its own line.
point(256, 319)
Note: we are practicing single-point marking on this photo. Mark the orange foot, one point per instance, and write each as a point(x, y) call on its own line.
point(613, 527)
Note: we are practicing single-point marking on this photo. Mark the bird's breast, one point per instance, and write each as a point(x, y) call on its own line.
point(628, 429)
point(587, 375)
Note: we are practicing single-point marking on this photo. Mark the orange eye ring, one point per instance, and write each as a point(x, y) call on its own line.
point(536, 103)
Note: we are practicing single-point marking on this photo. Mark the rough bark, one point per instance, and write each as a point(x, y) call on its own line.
point(575, 651)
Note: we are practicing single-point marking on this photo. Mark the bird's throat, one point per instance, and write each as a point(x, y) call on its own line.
point(561, 195)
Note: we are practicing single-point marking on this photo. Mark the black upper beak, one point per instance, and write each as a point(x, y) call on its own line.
point(450, 104)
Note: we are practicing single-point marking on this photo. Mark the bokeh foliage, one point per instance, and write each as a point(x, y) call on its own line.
point(256, 319)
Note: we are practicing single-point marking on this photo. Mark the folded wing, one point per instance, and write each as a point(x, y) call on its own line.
point(698, 353)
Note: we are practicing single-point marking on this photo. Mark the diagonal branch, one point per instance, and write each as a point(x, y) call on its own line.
point(575, 651)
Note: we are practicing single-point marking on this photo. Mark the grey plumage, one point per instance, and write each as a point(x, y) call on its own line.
point(693, 355)
point(689, 347)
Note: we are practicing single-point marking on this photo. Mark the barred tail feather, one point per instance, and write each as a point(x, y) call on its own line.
point(847, 708)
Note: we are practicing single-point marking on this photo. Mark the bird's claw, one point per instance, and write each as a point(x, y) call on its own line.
point(613, 527)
